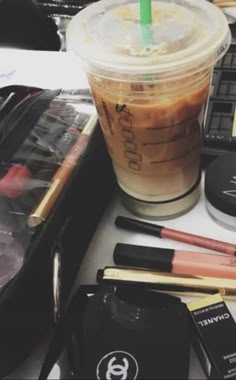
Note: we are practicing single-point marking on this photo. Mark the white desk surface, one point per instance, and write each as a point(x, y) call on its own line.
point(55, 70)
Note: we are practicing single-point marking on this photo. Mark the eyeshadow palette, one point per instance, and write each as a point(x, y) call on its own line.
point(229, 60)
point(220, 127)
point(219, 132)
point(224, 84)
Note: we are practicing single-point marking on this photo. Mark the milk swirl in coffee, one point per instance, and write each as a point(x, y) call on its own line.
point(153, 133)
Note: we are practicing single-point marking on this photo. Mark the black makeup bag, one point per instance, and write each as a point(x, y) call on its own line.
point(42, 131)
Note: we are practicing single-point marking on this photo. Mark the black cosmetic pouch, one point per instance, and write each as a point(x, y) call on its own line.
point(139, 334)
point(23, 24)
point(55, 181)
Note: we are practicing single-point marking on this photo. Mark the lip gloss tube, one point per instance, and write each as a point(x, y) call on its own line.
point(168, 233)
point(171, 261)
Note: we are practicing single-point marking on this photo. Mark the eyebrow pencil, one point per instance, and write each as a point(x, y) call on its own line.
point(169, 282)
point(175, 261)
point(168, 233)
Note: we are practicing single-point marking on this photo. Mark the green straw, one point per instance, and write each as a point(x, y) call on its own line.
point(146, 20)
point(145, 12)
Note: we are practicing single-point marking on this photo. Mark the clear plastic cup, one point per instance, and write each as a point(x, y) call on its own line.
point(151, 93)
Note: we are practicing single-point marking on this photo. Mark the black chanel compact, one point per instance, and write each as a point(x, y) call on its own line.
point(139, 334)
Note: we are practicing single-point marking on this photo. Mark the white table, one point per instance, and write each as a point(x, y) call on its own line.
point(55, 70)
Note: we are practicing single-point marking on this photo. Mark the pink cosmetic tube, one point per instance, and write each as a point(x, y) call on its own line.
point(167, 233)
point(179, 262)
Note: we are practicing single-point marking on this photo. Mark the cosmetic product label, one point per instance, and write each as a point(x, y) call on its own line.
point(215, 337)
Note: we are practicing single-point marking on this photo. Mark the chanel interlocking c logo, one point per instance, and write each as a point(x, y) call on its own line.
point(117, 365)
point(117, 369)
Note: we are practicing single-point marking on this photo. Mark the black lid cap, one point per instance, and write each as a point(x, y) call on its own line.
point(220, 183)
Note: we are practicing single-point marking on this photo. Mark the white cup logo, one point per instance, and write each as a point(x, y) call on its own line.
point(117, 365)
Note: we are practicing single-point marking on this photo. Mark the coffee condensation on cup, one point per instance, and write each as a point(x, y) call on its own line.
point(150, 99)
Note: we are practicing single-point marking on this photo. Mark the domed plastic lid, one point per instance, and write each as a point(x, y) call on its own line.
point(185, 34)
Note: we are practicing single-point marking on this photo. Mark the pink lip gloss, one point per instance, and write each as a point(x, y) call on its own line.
point(167, 233)
point(178, 262)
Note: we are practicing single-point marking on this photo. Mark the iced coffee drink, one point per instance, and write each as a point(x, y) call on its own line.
point(154, 140)
point(151, 99)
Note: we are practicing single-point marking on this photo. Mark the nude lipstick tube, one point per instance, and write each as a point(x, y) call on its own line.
point(167, 233)
point(14, 181)
point(168, 282)
point(179, 262)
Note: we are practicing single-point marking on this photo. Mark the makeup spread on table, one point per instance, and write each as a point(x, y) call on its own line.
point(151, 112)
point(185, 273)
point(208, 278)
point(135, 315)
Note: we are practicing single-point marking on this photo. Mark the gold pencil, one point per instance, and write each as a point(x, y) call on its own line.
point(62, 175)
point(179, 284)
